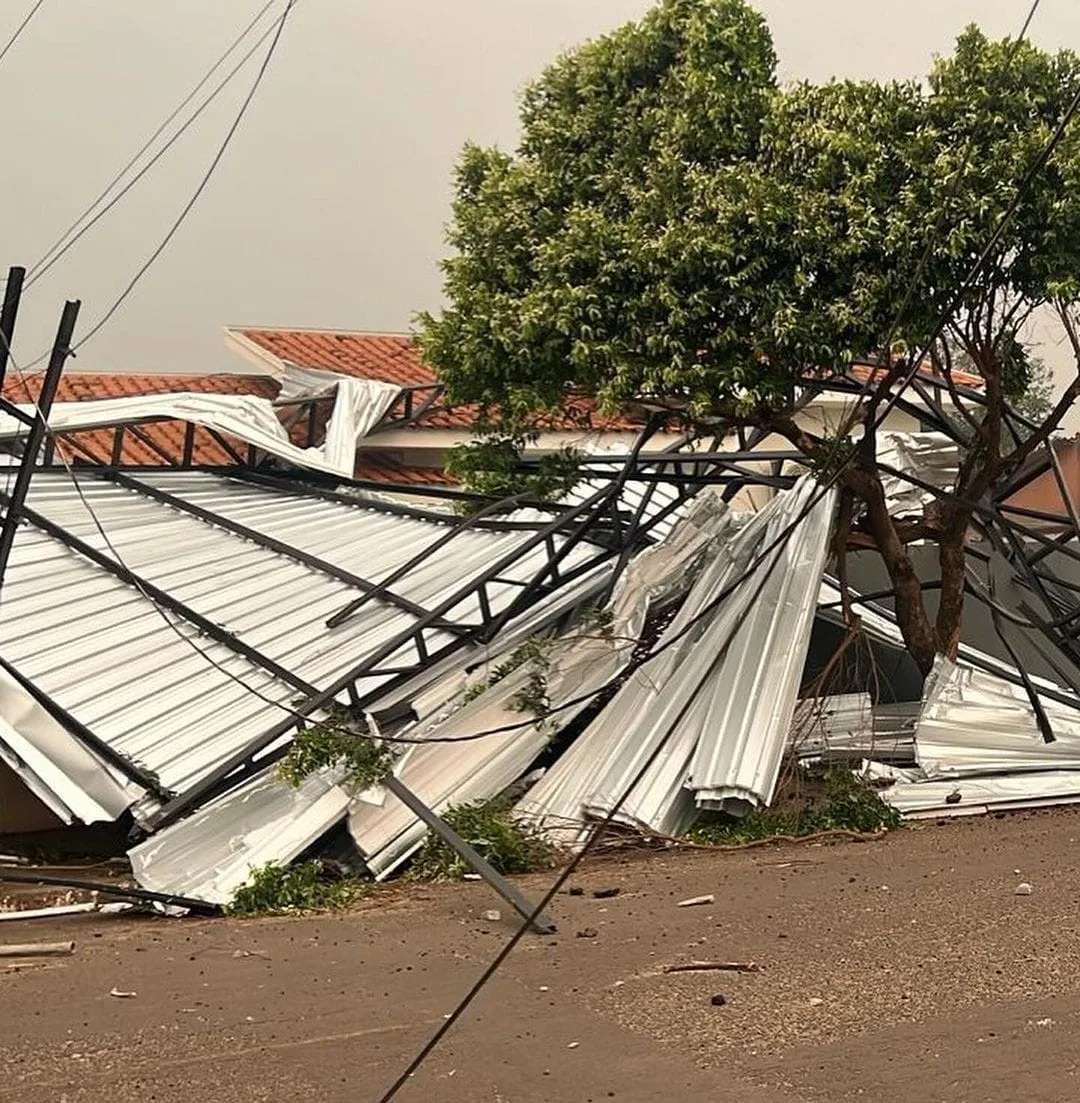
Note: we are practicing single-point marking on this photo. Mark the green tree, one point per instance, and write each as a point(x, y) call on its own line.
point(678, 231)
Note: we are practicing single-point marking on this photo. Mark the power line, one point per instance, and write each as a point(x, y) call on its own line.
point(76, 230)
point(951, 308)
point(19, 29)
point(203, 183)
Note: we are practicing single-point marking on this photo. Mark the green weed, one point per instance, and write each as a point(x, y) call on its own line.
point(848, 804)
point(272, 889)
point(490, 828)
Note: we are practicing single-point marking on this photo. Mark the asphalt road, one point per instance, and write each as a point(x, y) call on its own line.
point(902, 971)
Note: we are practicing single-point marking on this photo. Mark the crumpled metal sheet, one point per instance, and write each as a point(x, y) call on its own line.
point(974, 796)
point(209, 855)
point(577, 663)
point(933, 457)
point(673, 699)
point(358, 407)
point(973, 723)
point(846, 725)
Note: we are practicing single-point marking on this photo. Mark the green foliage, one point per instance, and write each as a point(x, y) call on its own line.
point(675, 225)
point(849, 805)
point(533, 696)
point(367, 761)
point(272, 889)
point(493, 467)
point(490, 828)
point(598, 620)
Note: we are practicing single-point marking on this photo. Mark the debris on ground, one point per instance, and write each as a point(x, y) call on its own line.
point(37, 949)
point(696, 901)
point(715, 966)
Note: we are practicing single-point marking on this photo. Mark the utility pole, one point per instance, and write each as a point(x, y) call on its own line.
point(8, 313)
point(39, 425)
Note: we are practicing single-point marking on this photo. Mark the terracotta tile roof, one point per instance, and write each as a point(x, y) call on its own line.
point(395, 358)
point(969, 380)
point(79, 386)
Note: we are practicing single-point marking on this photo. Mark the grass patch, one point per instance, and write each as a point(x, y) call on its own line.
point(307, 886)
point(490, 828)
point(845, 804)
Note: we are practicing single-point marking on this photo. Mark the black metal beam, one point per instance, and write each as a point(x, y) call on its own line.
point(163, 599)
point(271, 543)
point(15, 503)
point(517, 900)
point(9, 312)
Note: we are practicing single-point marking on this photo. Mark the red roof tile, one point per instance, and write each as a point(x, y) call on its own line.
point(78, 386)
point(395, 358)
point(863, 372)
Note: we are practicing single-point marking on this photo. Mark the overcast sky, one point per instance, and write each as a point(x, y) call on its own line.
point(328, 209)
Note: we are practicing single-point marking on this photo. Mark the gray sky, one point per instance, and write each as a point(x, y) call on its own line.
point(329, 207)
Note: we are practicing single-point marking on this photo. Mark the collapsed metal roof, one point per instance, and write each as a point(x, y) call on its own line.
point(166, 633)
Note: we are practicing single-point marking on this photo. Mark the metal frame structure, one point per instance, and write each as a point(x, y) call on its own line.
point(599, 523)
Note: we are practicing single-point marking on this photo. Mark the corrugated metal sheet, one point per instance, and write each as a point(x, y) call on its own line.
point(211, 854)
point(975, 796)
point(847, 724)
point(208, 855)
point(933, 457)
point(359, 405)
point(100, 649)
point(973, 723)
point(579, 662)
point(671, 699)
point(750, 701)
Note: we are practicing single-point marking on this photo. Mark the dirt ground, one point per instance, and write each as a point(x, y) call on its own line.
point(901, 971)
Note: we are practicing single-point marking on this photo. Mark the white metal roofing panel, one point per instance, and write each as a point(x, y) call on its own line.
point(211, 854)
point(359, 405)
point(975, 723)
point(975, 796)
point(751, 698)
point(105, 653)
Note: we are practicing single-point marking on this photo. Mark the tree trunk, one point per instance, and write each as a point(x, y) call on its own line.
point(950, 617)
point(911, 616)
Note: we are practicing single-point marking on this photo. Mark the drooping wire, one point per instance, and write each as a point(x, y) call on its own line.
point(81, 226)
point(19, 29)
